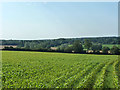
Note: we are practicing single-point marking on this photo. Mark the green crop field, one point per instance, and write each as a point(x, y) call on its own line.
point(110, 45)
point(23, 69)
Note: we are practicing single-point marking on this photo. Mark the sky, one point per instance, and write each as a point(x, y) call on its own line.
point(51, 20)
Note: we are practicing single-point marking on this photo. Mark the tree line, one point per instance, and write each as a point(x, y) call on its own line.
point(86, 46)
point(56, 42)
point(90, 47)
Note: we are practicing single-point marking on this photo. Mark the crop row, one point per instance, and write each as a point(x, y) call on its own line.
point(115, 77)
point(89, 79)
point(100, 81)
point(66, 77)
point(76, 78)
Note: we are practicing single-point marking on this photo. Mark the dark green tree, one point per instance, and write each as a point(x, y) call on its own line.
point(87, 44)
point(27, 45)
point(105, 50)
point(68, 49)
point(77, 47)
point(114, 50)
point(96, 47)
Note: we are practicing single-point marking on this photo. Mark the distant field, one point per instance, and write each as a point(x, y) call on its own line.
point(53, 70)
point(110, 45)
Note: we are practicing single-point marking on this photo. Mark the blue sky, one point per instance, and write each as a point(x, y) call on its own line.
point(38, 20)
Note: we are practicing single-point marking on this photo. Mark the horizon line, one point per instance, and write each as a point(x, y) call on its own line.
point(65, 37)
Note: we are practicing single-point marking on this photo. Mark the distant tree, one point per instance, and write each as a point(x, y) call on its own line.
point(105, 50)
point(99, 46)
point(77, 47)
point(8, 47)
point(27, 45)
point(62, 47)
point(68, 49)
point(38, 46)
point(61, 39)
point(87, 44)
point(114, 50)
point(96, 47)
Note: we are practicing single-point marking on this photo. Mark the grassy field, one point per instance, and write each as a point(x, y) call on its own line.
point(57, 70)
point(110, 45)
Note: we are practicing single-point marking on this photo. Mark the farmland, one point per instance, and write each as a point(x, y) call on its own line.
point(110, 45)
point(59, 70)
